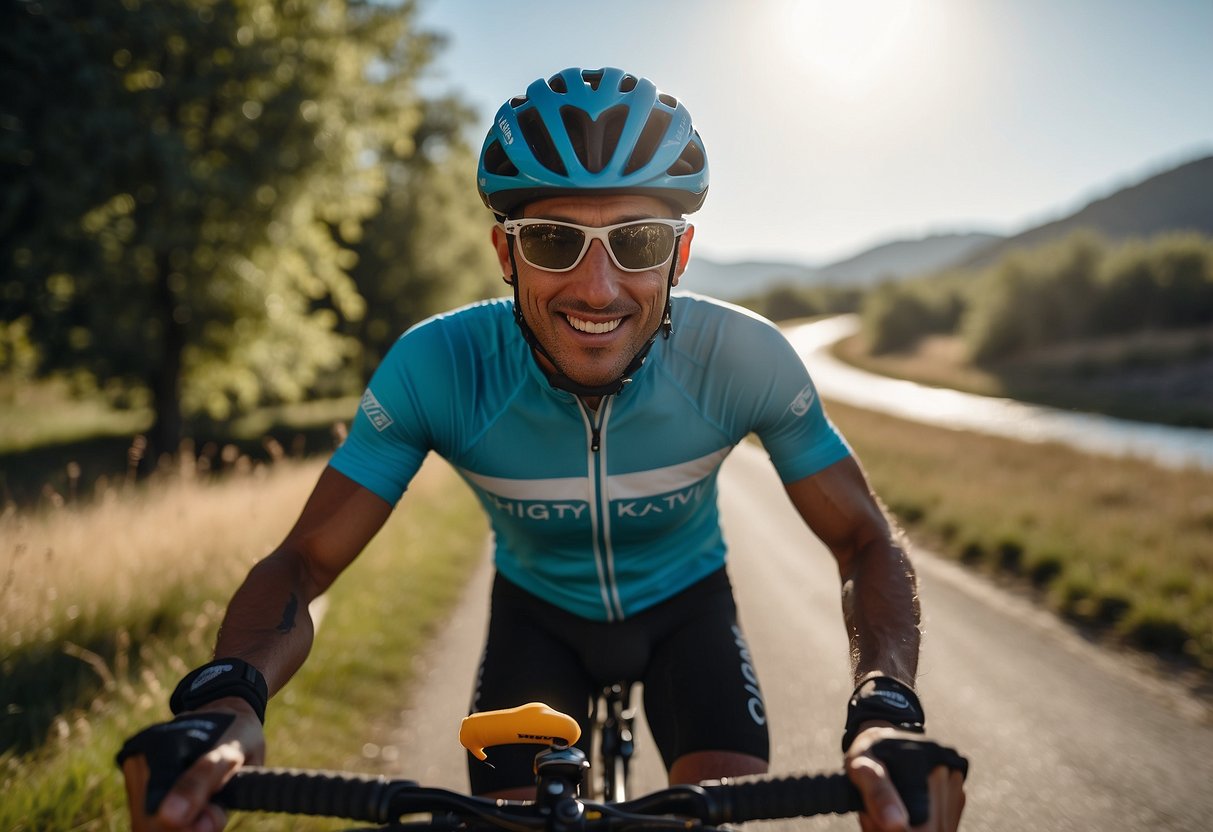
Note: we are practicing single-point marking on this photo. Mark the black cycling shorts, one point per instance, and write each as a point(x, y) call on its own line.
point(700, 689)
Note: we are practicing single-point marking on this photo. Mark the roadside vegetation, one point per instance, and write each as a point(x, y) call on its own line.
point(1123, 329)
point(105, 604)
point(1120, 546)
point(784, 303)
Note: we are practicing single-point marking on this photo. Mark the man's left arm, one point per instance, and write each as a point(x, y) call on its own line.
point(882, 617)
point(879, 588)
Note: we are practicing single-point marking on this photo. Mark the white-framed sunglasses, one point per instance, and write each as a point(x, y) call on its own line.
point(558, 246)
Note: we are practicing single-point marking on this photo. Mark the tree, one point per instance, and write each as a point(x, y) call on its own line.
point(183, 179)
point(428, 248)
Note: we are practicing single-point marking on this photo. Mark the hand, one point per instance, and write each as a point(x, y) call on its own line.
point(868, 765)
point(182, 763)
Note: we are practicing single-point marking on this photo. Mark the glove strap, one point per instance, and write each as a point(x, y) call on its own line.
point(220, 678)
point(883, 698)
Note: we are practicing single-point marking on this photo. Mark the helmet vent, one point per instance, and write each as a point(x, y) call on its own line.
point(556, 84)
point(594, 142)
point(518, 101)
point(690, 161)
point(496, 162)
point(628, 83)
point(668, 100)
point(649, 141)
point(540, 141)
point(592, 77)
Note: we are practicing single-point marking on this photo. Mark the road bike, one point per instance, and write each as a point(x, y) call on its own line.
point(560, 768)
point(614, 726)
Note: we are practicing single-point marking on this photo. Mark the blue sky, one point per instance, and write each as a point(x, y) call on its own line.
point(832, 126)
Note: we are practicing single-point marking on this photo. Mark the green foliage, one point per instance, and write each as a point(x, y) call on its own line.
point(169, 211)
point(1166, 282)
point(428, 248)
point(1034, 298)
point(896, 315)
point(787, 302)
point(1080, 287)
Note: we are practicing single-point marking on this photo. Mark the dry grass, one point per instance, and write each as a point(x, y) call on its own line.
point(65, 567)
point(106, 605)
point(1118, 544)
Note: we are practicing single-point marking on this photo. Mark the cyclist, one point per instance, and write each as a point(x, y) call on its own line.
point(590, 414)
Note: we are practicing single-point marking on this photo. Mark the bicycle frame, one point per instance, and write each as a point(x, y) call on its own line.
point(616, 741)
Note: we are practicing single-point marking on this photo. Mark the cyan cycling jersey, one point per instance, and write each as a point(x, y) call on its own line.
point(603, 513)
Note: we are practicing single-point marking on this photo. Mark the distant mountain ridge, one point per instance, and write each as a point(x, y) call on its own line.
point(905, 258)
point(888, 261)
point(1174, 200)
point(1180, 199)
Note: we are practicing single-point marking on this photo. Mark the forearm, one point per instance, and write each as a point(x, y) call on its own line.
point(881, 612)
point(268, 623)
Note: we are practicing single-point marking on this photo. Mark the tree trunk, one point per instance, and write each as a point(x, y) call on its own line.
point(166, 376)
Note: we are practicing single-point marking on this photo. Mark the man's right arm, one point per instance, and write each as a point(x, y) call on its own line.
point(268, 625)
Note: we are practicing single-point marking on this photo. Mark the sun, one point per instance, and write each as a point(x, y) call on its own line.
point(845, 44)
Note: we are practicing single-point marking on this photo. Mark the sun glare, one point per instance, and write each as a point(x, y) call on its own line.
point(845, 45)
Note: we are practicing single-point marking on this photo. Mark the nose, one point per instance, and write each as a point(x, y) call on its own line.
point(597, 277)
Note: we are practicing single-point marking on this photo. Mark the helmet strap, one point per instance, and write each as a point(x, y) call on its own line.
point(561, 381)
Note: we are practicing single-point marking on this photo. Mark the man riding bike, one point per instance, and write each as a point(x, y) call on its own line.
point(590, 414)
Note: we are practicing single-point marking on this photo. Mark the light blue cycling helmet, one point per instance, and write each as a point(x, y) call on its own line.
point(592, 131)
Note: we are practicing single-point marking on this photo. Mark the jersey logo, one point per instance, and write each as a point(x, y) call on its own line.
point(375, 411)
point(803, 401)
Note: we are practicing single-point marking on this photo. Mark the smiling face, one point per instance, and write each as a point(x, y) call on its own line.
point(595, 318)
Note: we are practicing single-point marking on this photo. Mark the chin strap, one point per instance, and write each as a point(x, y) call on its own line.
point(561, 381)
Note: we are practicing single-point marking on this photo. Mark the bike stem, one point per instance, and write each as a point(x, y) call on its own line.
point(560, 771)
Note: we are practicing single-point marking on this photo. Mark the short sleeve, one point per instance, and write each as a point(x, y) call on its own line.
point(775, 395)
point(393, 429)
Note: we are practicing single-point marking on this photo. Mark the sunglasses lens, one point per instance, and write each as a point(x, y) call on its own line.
point(550, 246)
point(642, 245)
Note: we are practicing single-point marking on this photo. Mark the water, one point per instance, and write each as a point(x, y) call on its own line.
point(1173, 447)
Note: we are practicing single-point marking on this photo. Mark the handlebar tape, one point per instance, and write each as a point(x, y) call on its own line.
point(786, 797)
point(334, 794)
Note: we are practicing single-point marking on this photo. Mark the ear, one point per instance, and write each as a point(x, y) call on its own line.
point(684, 253)
point(501, 243)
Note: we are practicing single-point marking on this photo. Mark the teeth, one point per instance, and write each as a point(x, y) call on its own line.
point(594, 328)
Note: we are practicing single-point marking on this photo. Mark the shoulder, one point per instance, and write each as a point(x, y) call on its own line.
point(716, 329)
point(479, 330)
point(484, 319)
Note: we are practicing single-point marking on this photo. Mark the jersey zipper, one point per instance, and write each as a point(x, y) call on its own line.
point(600, 505)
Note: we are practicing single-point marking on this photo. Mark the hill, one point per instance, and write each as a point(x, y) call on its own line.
point(1175, 200)
point(887, 261)
point(905, 258)
point(730, 281)
point(1180, 199)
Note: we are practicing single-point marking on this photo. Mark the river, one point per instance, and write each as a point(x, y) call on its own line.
point(1173, 447)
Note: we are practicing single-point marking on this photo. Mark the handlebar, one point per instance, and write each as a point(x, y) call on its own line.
point(376, 799)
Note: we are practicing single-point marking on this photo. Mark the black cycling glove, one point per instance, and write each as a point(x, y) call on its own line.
point(172, 747)
point(909, 763)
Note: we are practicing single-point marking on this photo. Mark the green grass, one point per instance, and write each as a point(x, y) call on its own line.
point(55, 447)
point(167, 584)
point(36, 414)
point(1118, 545)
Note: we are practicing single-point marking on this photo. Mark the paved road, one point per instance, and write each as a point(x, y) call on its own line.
point(1062, 735)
